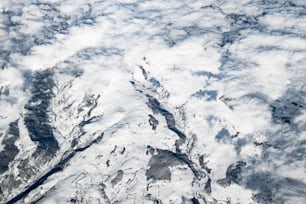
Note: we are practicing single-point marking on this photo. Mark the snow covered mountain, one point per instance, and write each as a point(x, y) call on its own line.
point(152, 101)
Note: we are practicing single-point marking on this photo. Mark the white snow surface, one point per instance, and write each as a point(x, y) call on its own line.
point(214, 65)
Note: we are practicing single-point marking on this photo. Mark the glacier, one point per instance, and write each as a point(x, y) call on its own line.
point(151, 101)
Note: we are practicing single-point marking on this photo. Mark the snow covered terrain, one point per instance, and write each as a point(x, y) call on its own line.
point(153, 101)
